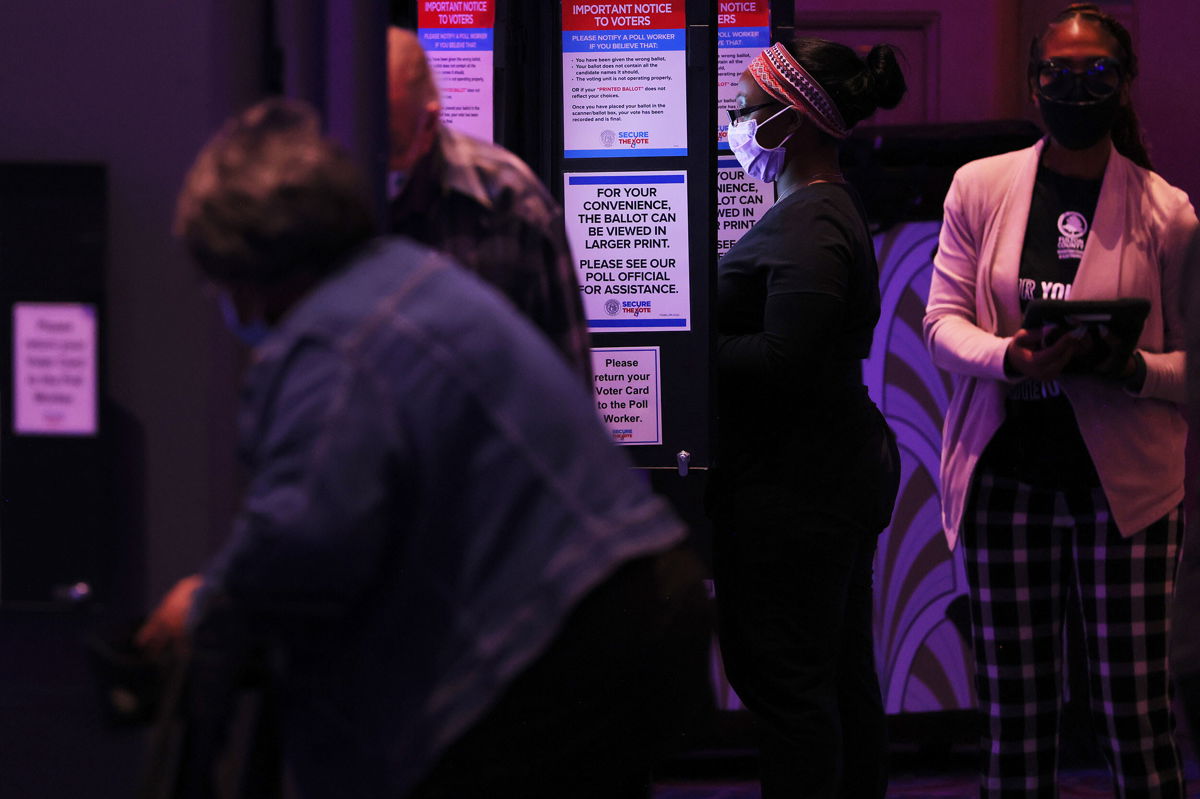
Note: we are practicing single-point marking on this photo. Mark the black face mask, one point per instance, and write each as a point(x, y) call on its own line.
point(1077, 125)
point(1080, 109)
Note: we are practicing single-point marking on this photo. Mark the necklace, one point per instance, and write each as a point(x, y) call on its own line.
point(815, 177)
point(825, 177)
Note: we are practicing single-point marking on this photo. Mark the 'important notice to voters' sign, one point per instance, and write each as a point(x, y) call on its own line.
point(54, 369)
point(458, 39)
point(627, 392)
point(743, 29)
point(624, 79)
point(741, 202)
point(629, 234)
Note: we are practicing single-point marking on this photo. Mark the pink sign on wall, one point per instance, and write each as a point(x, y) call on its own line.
point(54, 369)
point(624, 79)
point(459, 42)
point(743, 29)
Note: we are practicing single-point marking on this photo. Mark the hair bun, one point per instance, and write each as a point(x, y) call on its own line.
point(886, 78)
point(855, 86)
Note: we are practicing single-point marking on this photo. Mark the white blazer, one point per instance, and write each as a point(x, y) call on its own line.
point(1136, 248)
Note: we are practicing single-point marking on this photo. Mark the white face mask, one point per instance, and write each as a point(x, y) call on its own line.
point(758, 161)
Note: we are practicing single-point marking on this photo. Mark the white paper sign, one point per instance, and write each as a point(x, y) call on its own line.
point(54, 369)
point(458, 39)
point(626, 384)
point(624, 79)
point(741, 202)
point(629, 235)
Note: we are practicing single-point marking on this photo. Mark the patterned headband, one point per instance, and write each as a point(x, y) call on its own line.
point(782, 77)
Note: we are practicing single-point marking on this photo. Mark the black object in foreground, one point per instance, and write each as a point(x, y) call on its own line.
point(1110, 324)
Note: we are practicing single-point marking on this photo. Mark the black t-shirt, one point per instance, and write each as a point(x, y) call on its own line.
point(797, 303)
point(815, 240)
point(1039, 441)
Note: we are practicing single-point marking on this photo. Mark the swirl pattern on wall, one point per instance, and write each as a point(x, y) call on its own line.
point(923, 659)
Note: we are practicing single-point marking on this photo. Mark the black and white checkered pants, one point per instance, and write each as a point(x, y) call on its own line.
point(1027, 549)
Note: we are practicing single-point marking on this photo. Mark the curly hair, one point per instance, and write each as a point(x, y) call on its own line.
point(269, 197)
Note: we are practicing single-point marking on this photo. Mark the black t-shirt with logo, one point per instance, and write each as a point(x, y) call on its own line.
point(1039, 441)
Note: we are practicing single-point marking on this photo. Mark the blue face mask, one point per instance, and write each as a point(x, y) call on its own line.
point(249, 333)
point(397, 180)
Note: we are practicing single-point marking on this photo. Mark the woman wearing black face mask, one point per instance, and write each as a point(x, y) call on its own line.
point(1064, 485)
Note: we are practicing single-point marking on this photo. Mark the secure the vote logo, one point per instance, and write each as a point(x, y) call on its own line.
point(612, 307)
point(608, 138)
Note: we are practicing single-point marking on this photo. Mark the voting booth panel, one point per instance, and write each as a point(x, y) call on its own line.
point(619, 121)
point(633, 148)
point(53, 531)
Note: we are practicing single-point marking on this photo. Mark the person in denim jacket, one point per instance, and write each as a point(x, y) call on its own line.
point(470, 591)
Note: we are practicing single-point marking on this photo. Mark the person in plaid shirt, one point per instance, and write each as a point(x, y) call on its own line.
point(480, 204)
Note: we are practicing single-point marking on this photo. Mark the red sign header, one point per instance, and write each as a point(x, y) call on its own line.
point(456, 14)
point(623, 16)
point(744, 13)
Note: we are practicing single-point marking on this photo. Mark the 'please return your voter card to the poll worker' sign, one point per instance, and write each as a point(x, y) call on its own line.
point(627, 393)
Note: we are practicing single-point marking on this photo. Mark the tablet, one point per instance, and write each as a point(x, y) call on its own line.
point(1123, 319)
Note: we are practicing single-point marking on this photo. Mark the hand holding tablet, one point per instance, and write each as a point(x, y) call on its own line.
point(1107, 331)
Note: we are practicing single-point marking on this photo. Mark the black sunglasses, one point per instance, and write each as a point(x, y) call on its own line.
point(1097, 80)
point(736, 114)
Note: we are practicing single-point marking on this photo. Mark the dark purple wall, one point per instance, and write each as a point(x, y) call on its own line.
point(1167, 92)
point(133, 85)
point(138, 86)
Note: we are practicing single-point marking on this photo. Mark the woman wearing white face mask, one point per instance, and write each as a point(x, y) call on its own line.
point(807, 468)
